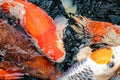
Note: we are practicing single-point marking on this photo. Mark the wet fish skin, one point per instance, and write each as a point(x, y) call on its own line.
point(95, 69)
point(16, 47)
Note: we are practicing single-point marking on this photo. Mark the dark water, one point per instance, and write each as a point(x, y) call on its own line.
point(102, 10)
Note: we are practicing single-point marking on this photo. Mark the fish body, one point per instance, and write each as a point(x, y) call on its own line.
point(98, 31)
point(38, 25)
point(99, 65)
point(19, 54)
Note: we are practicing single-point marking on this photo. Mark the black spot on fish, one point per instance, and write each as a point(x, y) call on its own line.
point(98, 45)
point(111, 64)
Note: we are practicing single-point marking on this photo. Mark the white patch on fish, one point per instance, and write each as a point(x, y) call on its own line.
point(83, 53)
point(61, 23)
point(112, 38)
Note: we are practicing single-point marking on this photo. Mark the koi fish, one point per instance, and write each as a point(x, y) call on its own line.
point(21, 55)
point(95, 32)
point(38, 25)
point(100, 64)
point(104, 32)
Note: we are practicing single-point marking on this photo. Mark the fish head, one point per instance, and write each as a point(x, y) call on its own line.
point(107, 61)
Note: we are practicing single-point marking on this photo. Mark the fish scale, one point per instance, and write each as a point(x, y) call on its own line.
point(79, 71)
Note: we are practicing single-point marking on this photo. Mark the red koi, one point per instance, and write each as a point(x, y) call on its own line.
point(17, 53)
point(39, 25)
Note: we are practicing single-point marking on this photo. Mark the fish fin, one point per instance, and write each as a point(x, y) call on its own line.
point(10, 74)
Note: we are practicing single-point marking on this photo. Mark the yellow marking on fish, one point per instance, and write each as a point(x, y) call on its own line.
point(102, 56)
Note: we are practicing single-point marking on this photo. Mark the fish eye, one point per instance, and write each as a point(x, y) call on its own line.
point(111, 64)
point(113, 57)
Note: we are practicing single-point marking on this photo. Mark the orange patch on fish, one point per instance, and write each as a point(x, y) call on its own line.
point(102, 56)
point(99, 29)
point(5, 7)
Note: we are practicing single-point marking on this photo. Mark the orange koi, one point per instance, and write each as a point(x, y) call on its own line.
point(39, 25)
point(19, 54)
